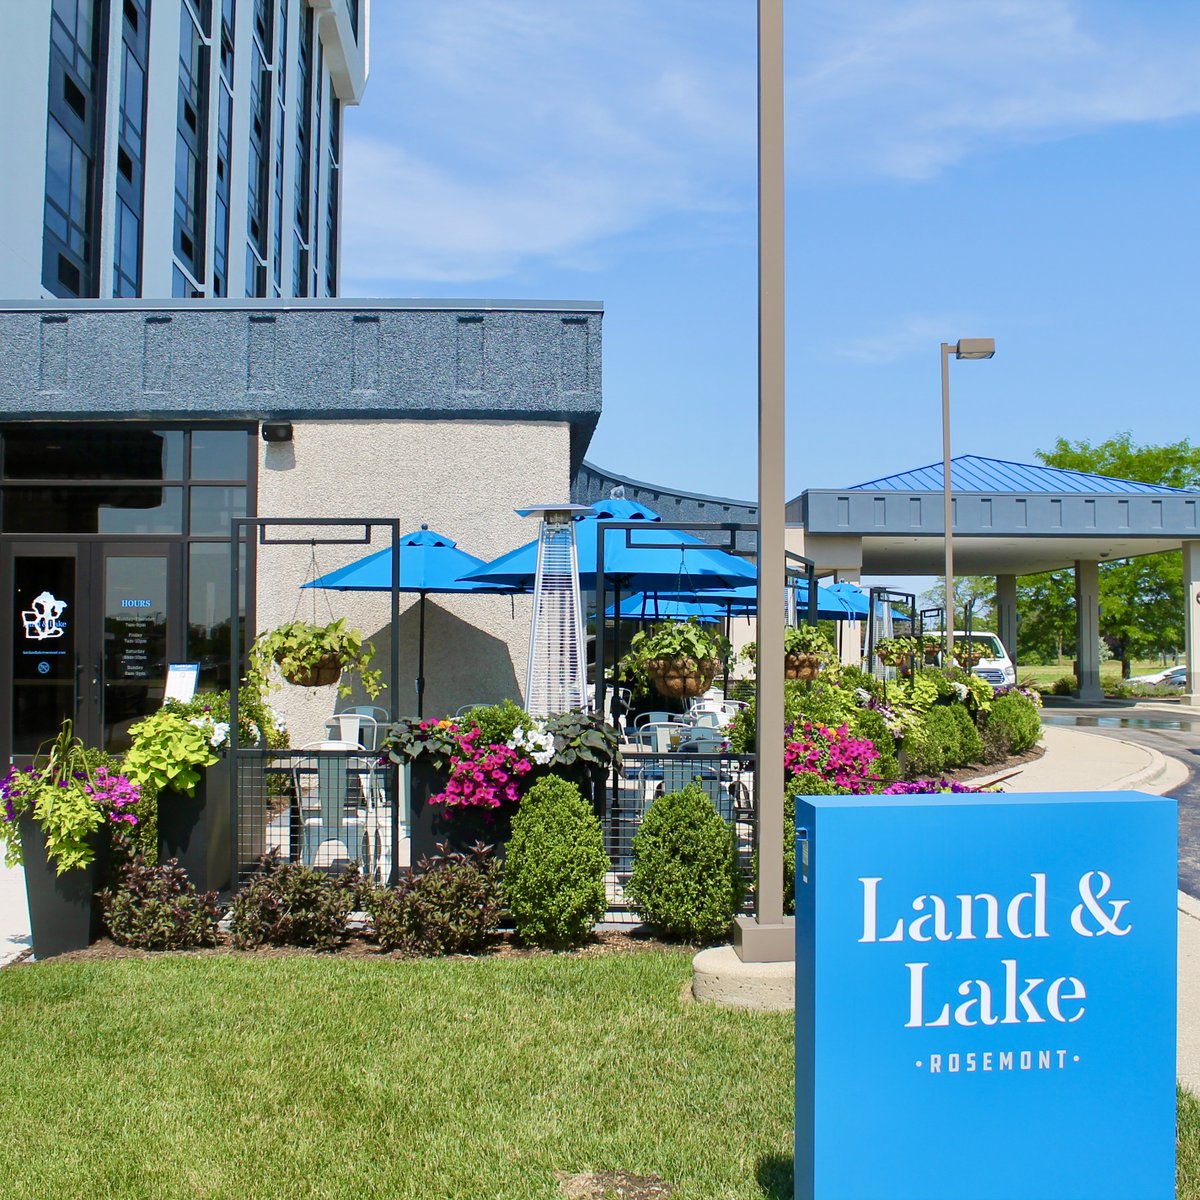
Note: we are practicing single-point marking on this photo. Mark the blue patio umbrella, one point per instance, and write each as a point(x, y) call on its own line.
point(832, 604)
point(686, 565)
point(647, 606)
point(429, 562)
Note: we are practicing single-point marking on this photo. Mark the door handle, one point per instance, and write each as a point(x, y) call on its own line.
point(96, 696)
point(78, 673)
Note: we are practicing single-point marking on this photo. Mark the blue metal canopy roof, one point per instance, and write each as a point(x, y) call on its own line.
point(972, 473)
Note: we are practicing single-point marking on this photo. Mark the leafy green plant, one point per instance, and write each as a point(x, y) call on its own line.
point(1065, 685)
point(287, 904)
point(497, 722)
point(970, 745)
point(895, 651)
point(449, 904)
point(169, 751)
point(687, 641)
point(157, 908)
point(554, 866)
point(684, 879)
point(870, 724)
point(1019, 716)
point(583, 738)
point(300, 647)
point(68, 798)
point(806, 639)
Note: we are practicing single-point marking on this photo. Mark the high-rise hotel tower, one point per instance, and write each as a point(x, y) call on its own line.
point(174, 147)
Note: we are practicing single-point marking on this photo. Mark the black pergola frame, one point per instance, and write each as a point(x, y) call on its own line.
point(238, 528)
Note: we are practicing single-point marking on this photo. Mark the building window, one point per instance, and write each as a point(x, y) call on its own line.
point(131, 124)
point(73, 142)
point(127, 252)
point(257, 187)
point(303, 166)
point(191, 144)
point(331, 205)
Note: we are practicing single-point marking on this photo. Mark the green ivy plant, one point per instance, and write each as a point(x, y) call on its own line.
point(300, 646)
point(674, 640)
point(169, 751)
point(806, 639)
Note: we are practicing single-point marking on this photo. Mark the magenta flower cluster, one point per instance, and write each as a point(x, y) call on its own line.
point(834, 754)
point(115, 795)
point(482, 775)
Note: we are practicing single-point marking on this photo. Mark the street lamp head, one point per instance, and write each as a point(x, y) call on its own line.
point(975, 348)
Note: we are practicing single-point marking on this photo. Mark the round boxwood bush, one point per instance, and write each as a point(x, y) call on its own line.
point(684, 878)
point(970, 745)
point(1019, 716)
point(554, 866)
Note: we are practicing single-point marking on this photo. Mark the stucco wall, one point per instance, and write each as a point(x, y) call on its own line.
point(463, 478)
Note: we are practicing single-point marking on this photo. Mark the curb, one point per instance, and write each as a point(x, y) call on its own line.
point(1159, 777)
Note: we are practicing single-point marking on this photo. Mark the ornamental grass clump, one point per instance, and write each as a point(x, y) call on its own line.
point(684, 879)
point(157, 908)
point(554, 866)
point(449, 904)
point(837, 755)
point(287, 904)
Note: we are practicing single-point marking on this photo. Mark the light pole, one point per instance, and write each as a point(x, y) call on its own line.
point(963, 348)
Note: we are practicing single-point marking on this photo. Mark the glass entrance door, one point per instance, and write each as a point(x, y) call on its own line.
point(93, 626)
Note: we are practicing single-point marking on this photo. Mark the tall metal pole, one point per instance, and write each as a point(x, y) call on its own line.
point(768, 938)
point(948, 504)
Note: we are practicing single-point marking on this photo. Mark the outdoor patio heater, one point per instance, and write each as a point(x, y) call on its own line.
point(557, 675)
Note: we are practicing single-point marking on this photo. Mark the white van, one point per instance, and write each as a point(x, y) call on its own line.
point(995, 666)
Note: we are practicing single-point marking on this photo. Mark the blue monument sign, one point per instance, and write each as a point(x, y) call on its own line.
point(985, 997)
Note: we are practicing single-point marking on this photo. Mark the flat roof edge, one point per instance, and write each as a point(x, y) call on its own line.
point(301, 304)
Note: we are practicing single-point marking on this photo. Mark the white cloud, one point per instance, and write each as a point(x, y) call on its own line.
point(502, 134)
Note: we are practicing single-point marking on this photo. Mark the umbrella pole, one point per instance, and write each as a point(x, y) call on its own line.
point(728, 623)
point(421, 661)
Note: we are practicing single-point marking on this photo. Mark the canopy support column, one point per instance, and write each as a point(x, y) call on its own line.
point(1006, 613)
point(1191, 621)
point(1087, 629)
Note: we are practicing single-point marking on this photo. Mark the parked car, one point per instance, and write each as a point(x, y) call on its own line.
point(1174, 678)
point(995, 666)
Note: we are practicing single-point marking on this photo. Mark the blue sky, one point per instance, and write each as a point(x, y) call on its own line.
point(1026, 170)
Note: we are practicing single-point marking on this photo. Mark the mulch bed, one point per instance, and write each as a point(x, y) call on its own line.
point(506, 945)
point(1014, 762)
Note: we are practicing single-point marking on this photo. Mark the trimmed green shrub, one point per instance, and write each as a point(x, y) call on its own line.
point(287, 904)
point(497, 722)
point(1019, 716)
point(869, 724)
point(970, 745)
point(1064, 686)
point(684, 878)
point(997, 741)
point(554, 866)
point(449, 904)
point(157, 908)
point(929, 746)
point(803, 784)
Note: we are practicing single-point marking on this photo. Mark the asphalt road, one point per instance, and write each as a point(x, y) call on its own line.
point(1178, 737)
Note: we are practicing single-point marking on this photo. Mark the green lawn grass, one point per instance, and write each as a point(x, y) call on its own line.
point(1110, 670)
point(300, 1076)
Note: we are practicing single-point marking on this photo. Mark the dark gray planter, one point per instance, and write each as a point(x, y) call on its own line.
point(460, 828)
point(63, 913)
point(196, 829)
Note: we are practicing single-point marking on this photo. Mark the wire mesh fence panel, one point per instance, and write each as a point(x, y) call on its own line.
point(727, 780)
point(323, 808)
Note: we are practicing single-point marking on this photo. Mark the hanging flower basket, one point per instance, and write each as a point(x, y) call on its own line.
point(801, 666)
point(326, 670)
point(681, 678)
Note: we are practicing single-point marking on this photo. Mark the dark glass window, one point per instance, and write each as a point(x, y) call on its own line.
point(127, 252)
point(219, 454)
point(191, 145)
point(68, 189)
point(88, 509)
point(212, 508)
point(221, 239)
point(62, 452)
point(133, 102)
point(257, 179)
point(208, 610)
point(73, 31)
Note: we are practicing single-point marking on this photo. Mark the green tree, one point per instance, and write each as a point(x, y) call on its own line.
point(972, 593)
point(1141, 599)
point(1045, 617)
